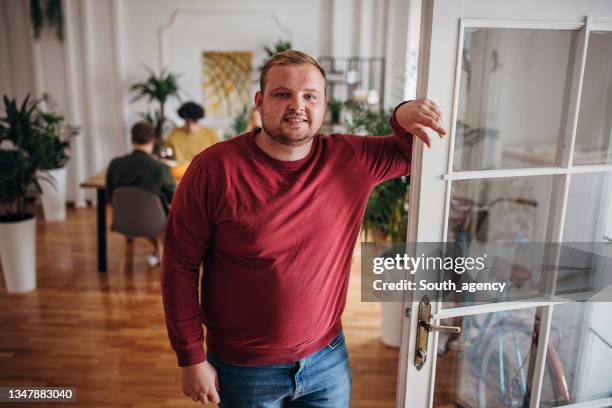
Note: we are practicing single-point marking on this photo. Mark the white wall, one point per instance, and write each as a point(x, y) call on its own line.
point(108, 41)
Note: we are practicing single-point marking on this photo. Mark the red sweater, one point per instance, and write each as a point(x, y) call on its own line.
point(276, 239)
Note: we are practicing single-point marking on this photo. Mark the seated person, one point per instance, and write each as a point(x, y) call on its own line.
point(191, 139)
point(140, 169)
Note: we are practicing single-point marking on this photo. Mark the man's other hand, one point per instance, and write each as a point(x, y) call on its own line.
point(419, 114)
point(200, 382)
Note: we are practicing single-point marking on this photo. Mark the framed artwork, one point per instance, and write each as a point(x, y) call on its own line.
point(227, 81)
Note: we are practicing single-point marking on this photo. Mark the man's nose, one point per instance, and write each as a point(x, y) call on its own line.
point(296, 103)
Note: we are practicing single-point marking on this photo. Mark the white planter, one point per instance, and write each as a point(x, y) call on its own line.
point(392, 316)
point(18, 254)
point(54, 195)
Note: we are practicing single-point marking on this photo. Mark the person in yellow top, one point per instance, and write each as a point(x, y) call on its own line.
point(191, 138)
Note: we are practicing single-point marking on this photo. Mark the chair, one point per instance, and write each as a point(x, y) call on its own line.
point(138, 213)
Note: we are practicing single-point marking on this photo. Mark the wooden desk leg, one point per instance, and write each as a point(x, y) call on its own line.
point(101, 230)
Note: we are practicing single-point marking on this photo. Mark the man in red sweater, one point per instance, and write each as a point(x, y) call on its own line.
point(273, 215)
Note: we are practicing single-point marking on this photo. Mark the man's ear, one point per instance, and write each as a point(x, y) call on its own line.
point(258, 99)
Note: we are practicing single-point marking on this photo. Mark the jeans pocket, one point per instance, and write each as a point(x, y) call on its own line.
point(336, 342)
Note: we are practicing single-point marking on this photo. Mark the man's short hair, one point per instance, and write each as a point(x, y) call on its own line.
point(142, 133)
point(290, 57)
point(191, 110)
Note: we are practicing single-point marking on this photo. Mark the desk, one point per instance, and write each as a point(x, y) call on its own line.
point(98, 181)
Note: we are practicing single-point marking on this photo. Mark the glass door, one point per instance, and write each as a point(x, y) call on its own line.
point(527, 90)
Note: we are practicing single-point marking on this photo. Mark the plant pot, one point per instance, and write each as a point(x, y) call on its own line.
point(54, 195)
point(391, 322)
point(391, 313)
point(18, 254)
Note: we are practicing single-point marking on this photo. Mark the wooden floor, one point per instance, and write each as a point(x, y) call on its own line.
point(105, 335)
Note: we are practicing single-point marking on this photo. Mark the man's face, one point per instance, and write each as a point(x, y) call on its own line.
point(292, 105)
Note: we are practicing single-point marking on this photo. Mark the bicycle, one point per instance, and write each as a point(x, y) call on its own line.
point(493, 344)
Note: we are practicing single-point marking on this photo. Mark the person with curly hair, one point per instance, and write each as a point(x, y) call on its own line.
point(190, 139)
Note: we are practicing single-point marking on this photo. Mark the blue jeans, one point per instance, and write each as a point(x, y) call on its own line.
point(321, 380)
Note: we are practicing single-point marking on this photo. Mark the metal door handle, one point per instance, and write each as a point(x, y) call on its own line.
point(423, 330)
point(442, 329)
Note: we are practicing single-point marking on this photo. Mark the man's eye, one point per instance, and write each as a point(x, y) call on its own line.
point(282, 94)
point(311, 97)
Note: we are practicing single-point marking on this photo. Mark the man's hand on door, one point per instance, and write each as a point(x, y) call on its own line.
point(415, 116)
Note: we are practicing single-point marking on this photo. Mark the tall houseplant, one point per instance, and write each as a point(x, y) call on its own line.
point(55, 138)
point(386, 214)
point(21, 155)
point(157, 88)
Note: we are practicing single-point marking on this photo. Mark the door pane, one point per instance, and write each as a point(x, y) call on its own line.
point(500, 210)
point(509, 210)
point(488, 363)
point(512, 93)
point(579, 354)
point(586, 259)
point(593, 136)
point(588, 216)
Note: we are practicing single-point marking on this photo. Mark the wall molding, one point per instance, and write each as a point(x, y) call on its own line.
point(179, 15)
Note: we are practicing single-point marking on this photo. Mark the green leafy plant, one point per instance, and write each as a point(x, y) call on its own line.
point(55, 137)
point(52, 15)
point(386, 216)
point(362, 119)
point(386, 212)
point(21, 155)
point(355, 119)
point(157, 88)
point(335, 109)
point(280, 46)
point(241, 121)
point(36, 17)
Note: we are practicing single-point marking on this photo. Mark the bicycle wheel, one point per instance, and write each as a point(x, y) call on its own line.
point(502, 374)
point(556, 380)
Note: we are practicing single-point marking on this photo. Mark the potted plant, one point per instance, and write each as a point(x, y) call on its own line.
point(335, 110)
point(20, 157)
point(158, 88)
point(55, 139)
point(241, 121)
